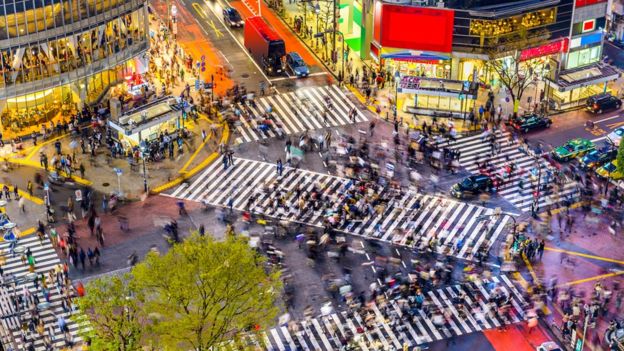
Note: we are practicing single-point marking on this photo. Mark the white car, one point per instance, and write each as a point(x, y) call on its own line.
point(549, 346)
point(615, 136)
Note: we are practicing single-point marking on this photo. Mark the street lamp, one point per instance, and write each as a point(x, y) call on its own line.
point(143, 148)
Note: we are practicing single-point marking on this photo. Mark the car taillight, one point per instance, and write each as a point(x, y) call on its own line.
point(595, 106)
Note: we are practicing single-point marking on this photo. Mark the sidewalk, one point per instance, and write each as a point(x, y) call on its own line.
point(193, 42)
point(581, 259)
point(145, 222)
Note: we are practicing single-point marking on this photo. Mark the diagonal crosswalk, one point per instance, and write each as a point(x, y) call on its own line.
point(407, 219)
point(517, 189)
point(15, 270)
point(298, 112)
point(394, 323)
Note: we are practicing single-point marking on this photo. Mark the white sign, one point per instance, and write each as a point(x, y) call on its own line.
point(174, 10)
point(78, 195)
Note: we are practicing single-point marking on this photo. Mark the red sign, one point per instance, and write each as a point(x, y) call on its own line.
point(581, 3)
point(547, 49)
point(414, 28)
point(589, 25)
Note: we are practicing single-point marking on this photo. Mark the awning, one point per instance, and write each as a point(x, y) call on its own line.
point(585, 76)
point(413, 56)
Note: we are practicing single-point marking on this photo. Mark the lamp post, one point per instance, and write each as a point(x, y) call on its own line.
point(143, 148)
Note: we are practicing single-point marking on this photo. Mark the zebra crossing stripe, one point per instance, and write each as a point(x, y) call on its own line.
point(450, 220)
point(321, 333)
point(46, 259)
point(299, 111)
point(473, 148)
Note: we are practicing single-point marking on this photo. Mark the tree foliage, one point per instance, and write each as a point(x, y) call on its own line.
point(113, 310)
point(620, 158)
point(515, 75)
point(205, 292)
point(200, 294)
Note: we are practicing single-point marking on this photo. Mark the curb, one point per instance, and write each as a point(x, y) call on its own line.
point(188, 174)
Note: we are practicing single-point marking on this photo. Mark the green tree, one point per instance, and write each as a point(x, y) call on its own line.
point(620, 158)
point(204, 293)
point(112, 316)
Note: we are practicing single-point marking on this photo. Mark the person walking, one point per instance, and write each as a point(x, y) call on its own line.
point(29, 187)
point(371, 127)
point(22, 204)
point(540, 249)
point(224, 158)
point(82, 256)
point(280, 167)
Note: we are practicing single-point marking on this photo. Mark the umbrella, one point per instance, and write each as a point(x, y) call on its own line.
point(73, 144)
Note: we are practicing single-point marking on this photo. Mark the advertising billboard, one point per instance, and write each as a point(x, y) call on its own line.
point(414, 28)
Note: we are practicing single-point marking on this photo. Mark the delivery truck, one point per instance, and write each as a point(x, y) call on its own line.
point(264, 45)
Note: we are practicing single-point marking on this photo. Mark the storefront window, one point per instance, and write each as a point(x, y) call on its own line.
point(583, 57)
point(494, 28)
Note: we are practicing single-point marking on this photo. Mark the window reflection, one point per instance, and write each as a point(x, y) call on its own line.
point(31, 16)
point(42, 60)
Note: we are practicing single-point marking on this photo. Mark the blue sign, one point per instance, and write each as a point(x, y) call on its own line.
point(591, 39)
point(196, 84)
point(118, 171)
point(46, 187)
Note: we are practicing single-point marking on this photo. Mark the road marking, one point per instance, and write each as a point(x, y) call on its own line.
point(199, 10)
point(295, 77)
point(615, 125)
point(238, 42)
point(599, 139)
point(574, 253)
point(585, 280)
point(217, 31)
point(607, 119)
point(536, 280)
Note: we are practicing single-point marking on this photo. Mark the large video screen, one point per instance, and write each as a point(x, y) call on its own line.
point(414, 28)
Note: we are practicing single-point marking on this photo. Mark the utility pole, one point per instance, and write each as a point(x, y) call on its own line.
point(335, 10)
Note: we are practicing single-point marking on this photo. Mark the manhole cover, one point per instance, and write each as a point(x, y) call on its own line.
point(244, 75)
point(105, 184)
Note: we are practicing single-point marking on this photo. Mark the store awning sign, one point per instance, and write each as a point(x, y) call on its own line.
point(543, 50)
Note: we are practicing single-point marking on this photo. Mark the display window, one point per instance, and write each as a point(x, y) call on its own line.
point(583, 57)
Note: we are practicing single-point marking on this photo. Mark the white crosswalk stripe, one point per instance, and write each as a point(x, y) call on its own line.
point(391, 326)
point(46, 259)
point(518, 189)
point(452, 223)
point(299, 111)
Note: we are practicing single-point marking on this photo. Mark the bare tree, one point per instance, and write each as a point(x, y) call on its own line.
point(514, 74)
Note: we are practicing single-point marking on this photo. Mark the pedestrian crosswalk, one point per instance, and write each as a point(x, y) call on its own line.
point(17, 280)
point(298, 112)
point(395, 323)
point(409, 218)
point(520, 187)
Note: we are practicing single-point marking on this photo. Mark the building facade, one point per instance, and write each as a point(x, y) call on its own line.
point(453, 40)
point(57, 55)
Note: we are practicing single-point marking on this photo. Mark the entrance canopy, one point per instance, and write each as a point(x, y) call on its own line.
point(415, 56)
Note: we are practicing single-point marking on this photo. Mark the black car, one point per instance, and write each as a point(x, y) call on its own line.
point(472, 185)
point(232, 17)
point(597, 158)
point(530, 122)
point(602, 102)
